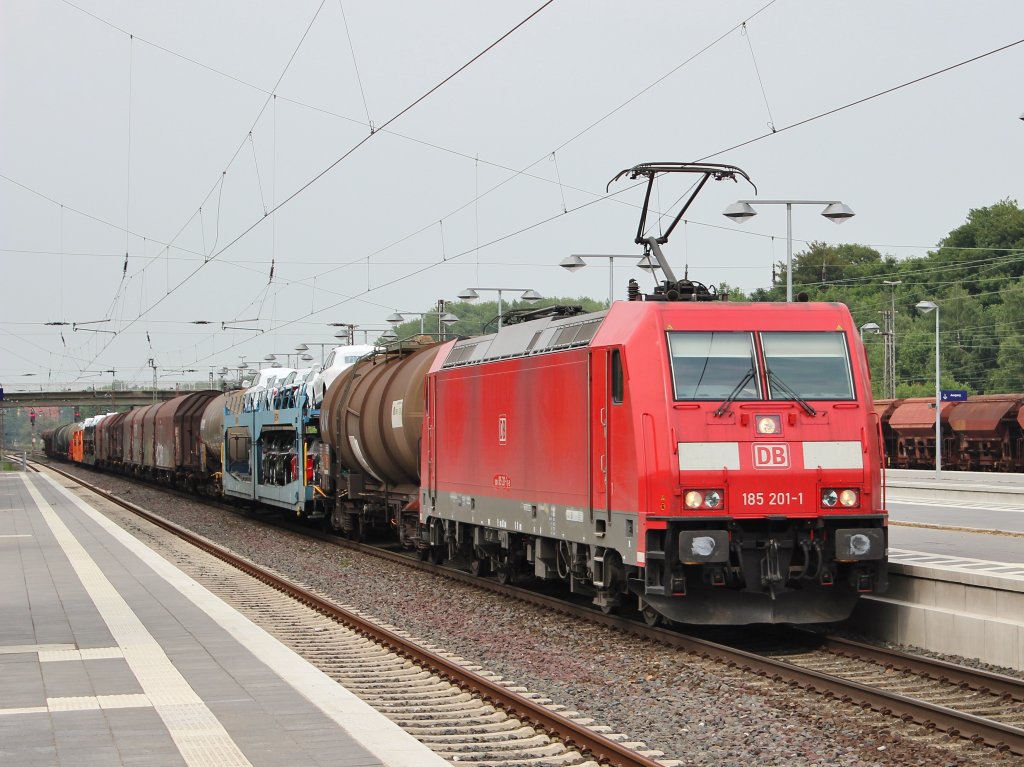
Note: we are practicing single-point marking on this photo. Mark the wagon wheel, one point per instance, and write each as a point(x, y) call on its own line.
point(354, 530)
point(505, 570)
point(437, 554)
point(651, 616)
point(478, 567)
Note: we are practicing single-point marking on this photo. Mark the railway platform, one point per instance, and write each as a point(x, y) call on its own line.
point(110, 655)
point(956, 566)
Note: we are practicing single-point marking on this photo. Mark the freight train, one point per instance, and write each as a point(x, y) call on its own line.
point(703, 461)
point(984, 433)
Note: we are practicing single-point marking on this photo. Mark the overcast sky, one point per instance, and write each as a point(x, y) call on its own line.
point(121, 121)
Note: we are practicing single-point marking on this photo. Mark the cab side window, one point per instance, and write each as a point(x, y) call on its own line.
point(618, 382)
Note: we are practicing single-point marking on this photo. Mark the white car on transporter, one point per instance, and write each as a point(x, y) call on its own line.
point(340, 359)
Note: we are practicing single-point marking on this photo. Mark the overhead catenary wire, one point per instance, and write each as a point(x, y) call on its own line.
point(866, 99)
point(442, 233)
point(339, 160)
point(760, 81)
point(223, 174)
point(355, 64)
point(524, 170)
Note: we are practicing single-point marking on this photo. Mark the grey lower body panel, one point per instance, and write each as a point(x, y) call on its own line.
point(618, 530)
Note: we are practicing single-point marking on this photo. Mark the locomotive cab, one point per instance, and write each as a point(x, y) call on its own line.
point(763, 488)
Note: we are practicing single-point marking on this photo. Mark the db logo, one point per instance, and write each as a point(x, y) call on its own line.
point(771, 456)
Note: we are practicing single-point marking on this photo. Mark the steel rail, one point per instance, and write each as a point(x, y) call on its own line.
point(940, 670)
point(573, 735)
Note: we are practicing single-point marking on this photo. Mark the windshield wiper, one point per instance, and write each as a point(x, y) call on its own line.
point(792, 394)
point(724, 407)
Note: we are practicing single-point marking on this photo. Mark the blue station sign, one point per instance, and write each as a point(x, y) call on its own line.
point(954, 395)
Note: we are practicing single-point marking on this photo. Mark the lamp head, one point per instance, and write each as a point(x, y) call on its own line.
point(531, 296)
point(448, 317)
point(395, 318)
point(837, 212)
point(302, 348)
point(926, 306)
point(572, 263)
point(871, 327)
point(469, 295)
point(740, 212)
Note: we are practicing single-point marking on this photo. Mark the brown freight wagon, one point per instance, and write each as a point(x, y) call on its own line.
point(913, 423)
point(177, 446)
point(988, 433)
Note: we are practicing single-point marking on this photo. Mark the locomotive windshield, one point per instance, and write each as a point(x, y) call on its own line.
point(808, 366)
point(711, 365)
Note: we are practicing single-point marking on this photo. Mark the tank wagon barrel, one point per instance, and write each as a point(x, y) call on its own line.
point(370, 422)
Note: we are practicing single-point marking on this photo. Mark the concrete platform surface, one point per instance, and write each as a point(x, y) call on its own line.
point(950, 604)
point(110, 655)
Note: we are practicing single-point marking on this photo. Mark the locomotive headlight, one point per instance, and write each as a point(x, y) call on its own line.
point(829, 498)
point(693, 499)
point(849, 498)
point(713, 499)
point(768, 424)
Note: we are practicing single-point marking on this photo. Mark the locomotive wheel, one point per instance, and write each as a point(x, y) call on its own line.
point(651, 616)
point(436, 554)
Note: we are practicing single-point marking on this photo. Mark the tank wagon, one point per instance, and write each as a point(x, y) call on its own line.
point(371, 418)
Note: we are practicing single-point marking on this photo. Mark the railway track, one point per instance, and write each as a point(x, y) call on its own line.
point(962, 702)
point(457, 709)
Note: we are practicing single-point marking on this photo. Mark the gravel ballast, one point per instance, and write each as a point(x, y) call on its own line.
point(694, 710)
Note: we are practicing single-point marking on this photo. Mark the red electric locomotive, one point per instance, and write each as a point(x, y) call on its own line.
point(721, 462)
point(715, 463)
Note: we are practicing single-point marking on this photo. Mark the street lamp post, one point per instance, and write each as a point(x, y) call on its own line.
point(470, 294)
point(835, 211)
point(889, 318)
point(927, 306)
point(575, 262)
point(443, 318)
